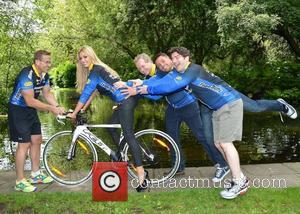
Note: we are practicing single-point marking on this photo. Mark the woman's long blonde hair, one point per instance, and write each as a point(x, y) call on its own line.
point(82, 73)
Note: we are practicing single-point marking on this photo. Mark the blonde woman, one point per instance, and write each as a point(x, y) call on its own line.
point(93, 74)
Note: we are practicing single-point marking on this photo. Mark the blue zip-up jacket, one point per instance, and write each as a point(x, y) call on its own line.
point(211, 90)
point(178, 99)
point(28, 79)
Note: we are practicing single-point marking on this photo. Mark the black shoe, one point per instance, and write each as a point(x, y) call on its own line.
point(142, 187)
point(179, 173)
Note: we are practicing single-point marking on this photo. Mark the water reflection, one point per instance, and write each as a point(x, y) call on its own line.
point(265, 139)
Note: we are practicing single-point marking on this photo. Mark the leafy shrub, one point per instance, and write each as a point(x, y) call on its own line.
point(280, 79)
point(64, 75)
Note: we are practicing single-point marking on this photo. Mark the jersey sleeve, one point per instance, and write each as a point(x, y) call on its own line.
point(171, 83)
point(152, 97)
point(90, 87)
point(151, 80)
point(47, 82)
point(25, 83)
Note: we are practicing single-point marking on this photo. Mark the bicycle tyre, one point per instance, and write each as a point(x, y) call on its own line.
point(69, 172)
point(161, 168)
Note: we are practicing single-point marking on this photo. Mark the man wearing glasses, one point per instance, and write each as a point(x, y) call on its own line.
point(24, 123)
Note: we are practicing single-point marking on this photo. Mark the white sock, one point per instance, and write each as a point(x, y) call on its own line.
point(243, 177)
point(17, 182)
point(33, 174)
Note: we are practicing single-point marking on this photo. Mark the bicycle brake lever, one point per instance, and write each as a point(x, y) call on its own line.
point(59, 119)
point(61, 122)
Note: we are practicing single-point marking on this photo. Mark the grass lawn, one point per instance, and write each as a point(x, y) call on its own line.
point(183, 201)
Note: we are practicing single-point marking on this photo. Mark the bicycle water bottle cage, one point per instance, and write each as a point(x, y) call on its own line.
point(81, 118)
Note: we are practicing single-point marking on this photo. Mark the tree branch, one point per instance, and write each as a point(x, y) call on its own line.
point(284, 32)
point(125, 48)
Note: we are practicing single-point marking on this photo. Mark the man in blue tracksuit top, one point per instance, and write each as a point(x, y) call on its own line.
point(182, 107)
point(225, 102)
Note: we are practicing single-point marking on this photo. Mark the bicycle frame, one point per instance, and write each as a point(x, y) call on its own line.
point(83, 131)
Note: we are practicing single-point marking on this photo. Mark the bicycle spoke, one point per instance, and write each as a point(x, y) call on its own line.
point(69, 172)
point(160, 155)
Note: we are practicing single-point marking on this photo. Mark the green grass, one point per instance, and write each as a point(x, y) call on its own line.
point(183, 201)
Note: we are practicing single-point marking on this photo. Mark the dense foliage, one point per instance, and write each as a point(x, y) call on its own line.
point(252, 44)
point(64, 75)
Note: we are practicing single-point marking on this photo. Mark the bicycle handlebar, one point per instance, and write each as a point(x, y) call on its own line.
point(61, 117)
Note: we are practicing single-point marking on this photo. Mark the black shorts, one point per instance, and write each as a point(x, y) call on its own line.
point(23, 122)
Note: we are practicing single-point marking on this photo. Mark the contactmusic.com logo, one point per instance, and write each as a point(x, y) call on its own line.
point(110, 181)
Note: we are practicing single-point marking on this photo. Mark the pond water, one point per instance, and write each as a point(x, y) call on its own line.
point(265, 138)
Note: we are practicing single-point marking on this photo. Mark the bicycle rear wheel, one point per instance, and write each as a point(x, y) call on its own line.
point(160, 155)
point(64, 171)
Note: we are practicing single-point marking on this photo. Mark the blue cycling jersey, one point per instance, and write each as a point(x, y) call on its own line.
point(103, 81)
point(211, 90)
point(28, 79)
point(176, 99)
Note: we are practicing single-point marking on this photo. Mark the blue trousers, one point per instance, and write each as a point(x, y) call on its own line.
point(190, 114)
point(261, 105)
point(249, 105)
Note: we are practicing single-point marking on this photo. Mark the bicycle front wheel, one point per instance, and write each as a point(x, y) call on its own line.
point(160, 155)
point(78, 168)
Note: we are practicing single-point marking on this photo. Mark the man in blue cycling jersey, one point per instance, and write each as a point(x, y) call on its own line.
point(164, 63)
point(225, 102)
point(209, 90)
point(182, 107)
point(24, 123)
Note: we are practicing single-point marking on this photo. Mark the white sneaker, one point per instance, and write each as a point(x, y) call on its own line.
point(291, 111)
point(235, 189)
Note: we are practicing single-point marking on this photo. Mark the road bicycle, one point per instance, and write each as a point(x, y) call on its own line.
point(68, 156)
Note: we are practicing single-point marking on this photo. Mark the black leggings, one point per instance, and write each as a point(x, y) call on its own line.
point(124, 115)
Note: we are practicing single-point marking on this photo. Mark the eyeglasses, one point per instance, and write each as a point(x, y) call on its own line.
point(46, 62)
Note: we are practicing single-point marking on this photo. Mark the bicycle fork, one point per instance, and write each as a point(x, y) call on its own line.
point(90, 137)
point(148, 154)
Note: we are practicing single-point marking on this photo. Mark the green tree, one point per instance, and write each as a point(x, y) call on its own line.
point(71, 24)
point(251, 44)
point(16, 34)
point(64, 75)
point(259, 59)
point(166, 23)
point(288, 28)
